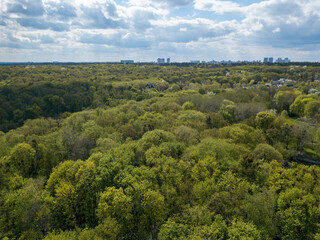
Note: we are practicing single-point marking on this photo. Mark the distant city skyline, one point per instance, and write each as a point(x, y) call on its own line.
point(144, 30)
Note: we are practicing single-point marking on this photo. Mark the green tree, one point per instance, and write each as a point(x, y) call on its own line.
point(86, 188)
point(192, 118)
point(172, 230)
point(114, 203)
point(260, 208)
point(154, 211)
point(267, 153)
point(188, 106)
point(312, 108)
point(227, 110)
point(59, 235)
point(215, 120)
point(284, 99)
point(298, 214)
point(22, 158)
point(264, 120)
point(298, 106)
point(108, 229)
point(64, 205)
point(22, 210)
point(242, 230)
point(186, 134)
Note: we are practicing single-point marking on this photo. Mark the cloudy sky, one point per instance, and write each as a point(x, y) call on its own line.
point(143, 30)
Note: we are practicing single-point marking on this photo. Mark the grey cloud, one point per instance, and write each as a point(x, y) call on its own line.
point(14, 42)
point(175, 3)
point(42, 38)
point(112, 9)
point(45, 39)
point(96, 19)
point(25, 7)
point(2, 22)
point(281, 9)
point(141, 19)
point(42, 24)
point(62, 11)
point(294, 28)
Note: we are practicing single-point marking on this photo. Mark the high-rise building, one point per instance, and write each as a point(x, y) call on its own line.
point(285, 60)
point(265, 60)
point(126, 61)
point(270, 60)
point(160, 60)
point(168, 60)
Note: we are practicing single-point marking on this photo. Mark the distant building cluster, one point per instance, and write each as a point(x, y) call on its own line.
point(162, 60)
point(285, 60)
point(168, 61)
point(268, 60)
point(279, 60)
point(225, 61)
point(126, 61)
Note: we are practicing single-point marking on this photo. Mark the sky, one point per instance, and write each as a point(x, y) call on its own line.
point(143, 30)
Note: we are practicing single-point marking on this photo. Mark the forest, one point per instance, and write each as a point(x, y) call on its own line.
point(161, 152)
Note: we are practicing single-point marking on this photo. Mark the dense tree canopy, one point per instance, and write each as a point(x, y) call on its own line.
point(208, 152)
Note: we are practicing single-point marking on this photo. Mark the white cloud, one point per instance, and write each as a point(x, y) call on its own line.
point(276, 30)
point(159, 27)
point(217, 6)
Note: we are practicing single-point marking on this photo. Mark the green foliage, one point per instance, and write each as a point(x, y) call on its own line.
point(259, 209)
point(90, 153)
point(242, 134)
point(186, 134)
point(64, 205)
point(284, 99)
point(67, 235)
point(298, 107)
point(188, 106)
point(298, 214)
point(218, 230)
point(23, 212)
point(264, 120)
point(225, 153)
point(22, 159)
point(108, 229)
point(267, 153)
point(227, 110)
point(312, 108)
point(192, 118)
point(115, 204)
point(153, 205)
point(215, 120)
point(242, 230)
point(72, 188)
point(172, 230)
point(155, 138)
point(154, 211)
